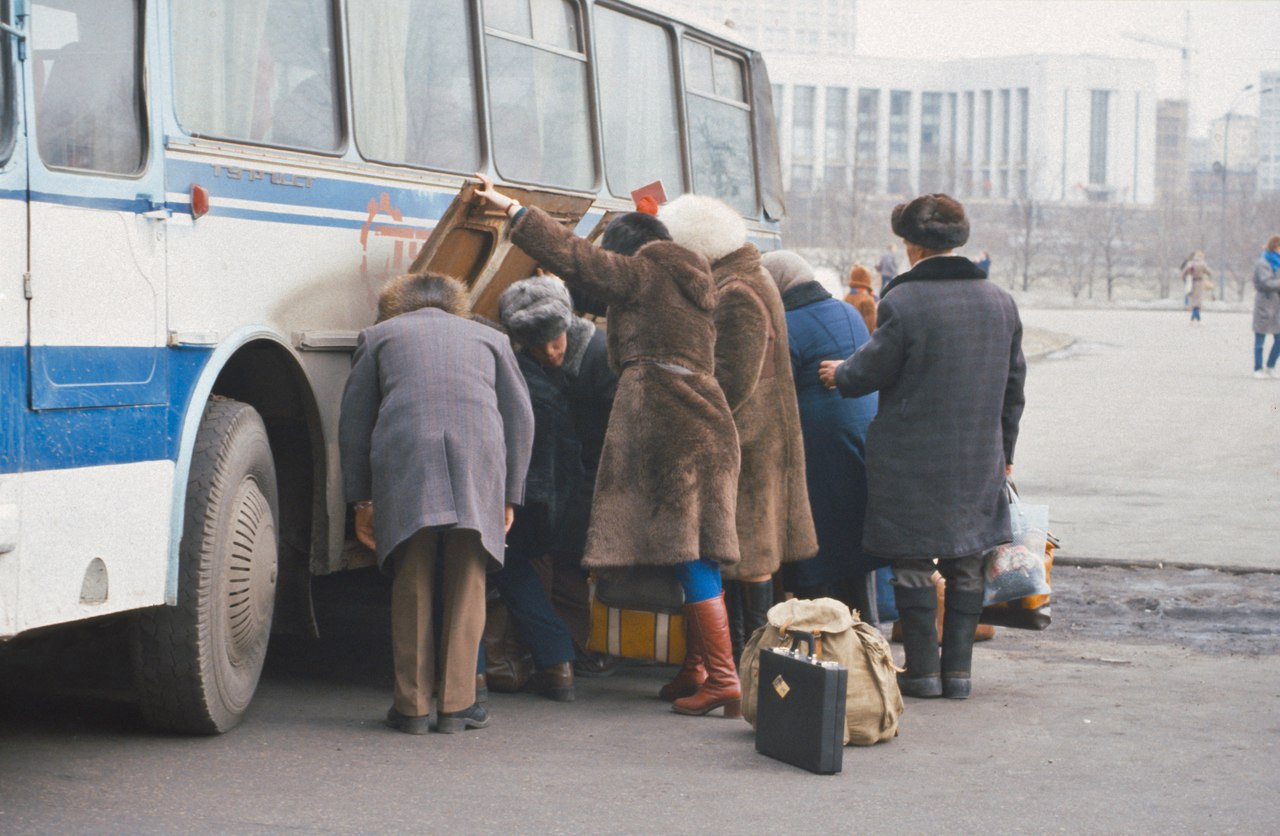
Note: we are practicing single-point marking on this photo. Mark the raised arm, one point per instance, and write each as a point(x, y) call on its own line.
point(878, 362)
point(742, 340)
point(607, 277)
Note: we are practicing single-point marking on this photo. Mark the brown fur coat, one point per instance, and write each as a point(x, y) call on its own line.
point(667, 484)
point(753, 365)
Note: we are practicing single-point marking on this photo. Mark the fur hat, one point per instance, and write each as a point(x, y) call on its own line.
point(933, 221)
point(413, 291)
point(786, 268)
point(706, 225)
point(627, 233)
point(536, 310)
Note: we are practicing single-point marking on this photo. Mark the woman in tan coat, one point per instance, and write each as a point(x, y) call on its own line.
point(753, 365)
point(861, 297)
point(667, 485)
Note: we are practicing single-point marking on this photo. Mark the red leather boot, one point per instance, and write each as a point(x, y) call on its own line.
point(710, 621)
point(692, 674)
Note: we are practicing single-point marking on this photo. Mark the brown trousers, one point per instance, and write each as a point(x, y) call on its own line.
point(412, 633)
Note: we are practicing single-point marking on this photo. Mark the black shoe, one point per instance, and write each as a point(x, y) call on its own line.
point(407, 724)
point(956, 687)
point(595, 665)
point(475, 717)
point(920, 687)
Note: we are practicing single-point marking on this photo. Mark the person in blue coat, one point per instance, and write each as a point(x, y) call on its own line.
point(820, 327)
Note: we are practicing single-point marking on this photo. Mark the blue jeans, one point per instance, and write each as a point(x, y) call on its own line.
point(1195, 314)
point(1258, 341)
point(526, 599)
point(700, 580)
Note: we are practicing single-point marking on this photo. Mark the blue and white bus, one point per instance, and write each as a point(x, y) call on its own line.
point(199, 203)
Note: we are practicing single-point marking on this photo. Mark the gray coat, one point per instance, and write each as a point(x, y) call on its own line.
point(1266, 304)
point(946, 358)
point(436, 428)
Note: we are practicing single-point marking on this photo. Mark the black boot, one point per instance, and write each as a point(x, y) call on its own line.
point(757, 598)
point(959, 623)
point(733, 595)
point(918, 613)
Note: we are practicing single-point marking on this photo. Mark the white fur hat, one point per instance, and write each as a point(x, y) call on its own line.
point(708, 226)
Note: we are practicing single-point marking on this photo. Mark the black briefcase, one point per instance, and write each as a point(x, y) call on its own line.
point(800, 707)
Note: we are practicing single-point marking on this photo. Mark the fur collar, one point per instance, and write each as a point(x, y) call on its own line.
point(804, 293)
point(580, 333)
point(938, 268)
point(740, 262)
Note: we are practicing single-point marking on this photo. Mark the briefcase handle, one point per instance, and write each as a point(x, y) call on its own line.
point(798, 636)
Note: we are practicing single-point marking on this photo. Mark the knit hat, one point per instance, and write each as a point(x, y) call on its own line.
point(536, 310)
point(860, 276)
point(933, 221)
point(707, 225)
point(627, 233)
point(786, 268)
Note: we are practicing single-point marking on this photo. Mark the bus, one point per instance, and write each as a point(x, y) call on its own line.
point(199, 203)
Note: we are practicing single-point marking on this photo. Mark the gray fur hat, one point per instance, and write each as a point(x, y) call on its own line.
point(933, 221)
point(536, 310)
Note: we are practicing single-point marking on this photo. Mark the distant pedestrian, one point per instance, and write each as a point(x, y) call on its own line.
point(983, 262)
point(887, 266)
point(434, 436)
point(861, 296)
point(1199, 279)
point(947, 361)
point(1266, 308)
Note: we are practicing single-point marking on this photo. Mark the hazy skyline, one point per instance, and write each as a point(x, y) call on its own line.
point(1233, 40)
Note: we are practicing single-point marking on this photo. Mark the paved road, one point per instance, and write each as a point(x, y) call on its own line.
point(1150, 440)
point(1066, 732)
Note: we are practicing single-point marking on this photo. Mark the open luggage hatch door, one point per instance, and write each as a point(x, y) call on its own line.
point(470, 243)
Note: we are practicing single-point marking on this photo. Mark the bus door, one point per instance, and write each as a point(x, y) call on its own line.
point(98, 438)
point(13, 310)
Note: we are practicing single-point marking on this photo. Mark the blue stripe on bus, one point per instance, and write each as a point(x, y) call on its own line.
point(136, 205)
point(57, 439)
point(306, 191)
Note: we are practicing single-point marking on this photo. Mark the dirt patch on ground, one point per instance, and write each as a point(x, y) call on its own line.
point(1204, 610)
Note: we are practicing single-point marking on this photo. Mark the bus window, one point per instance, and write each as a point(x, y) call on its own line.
point(88, 85)
point(258, 72)
point(719, 126)
point(537, 75)
point(635, 64)
point(413, 84)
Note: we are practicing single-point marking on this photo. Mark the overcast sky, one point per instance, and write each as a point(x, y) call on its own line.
point(1233, 40)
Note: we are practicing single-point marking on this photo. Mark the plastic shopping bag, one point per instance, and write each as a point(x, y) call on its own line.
point(1017, 570)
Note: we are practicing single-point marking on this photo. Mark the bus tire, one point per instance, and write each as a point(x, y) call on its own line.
point(196, 664)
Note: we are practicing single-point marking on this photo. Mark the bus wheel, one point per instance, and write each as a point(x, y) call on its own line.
point(196, 664)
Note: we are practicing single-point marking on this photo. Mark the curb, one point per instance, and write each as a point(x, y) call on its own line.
point(1116, 563)
point(1054, 342)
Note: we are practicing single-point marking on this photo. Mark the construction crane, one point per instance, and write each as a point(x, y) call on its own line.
point(1184, 48)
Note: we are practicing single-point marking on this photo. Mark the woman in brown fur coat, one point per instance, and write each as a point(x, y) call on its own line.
point(667, 485)
point(753, 365)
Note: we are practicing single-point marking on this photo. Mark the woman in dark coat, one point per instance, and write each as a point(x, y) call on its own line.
point(435, 433)
point(947, 361)
point(667, 487)
point(775, 524)
point(835, 431)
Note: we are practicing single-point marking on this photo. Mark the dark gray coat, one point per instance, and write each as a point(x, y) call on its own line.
point(436, 428)
point(1266, 302)
point(946, 358)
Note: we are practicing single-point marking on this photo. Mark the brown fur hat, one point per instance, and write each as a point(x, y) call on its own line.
point(933, 221)
point(860, 276)
point(414, 291)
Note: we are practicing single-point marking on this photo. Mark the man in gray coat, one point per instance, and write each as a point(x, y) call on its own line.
point(435, 434)
point(1266, 308)
point(946, 358)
